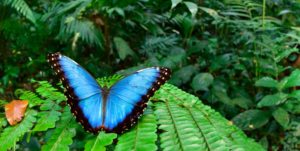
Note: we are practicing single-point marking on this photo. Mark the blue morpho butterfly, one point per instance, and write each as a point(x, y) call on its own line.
point(113, 109)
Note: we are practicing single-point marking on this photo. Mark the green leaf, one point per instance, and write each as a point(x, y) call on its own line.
point(62, 136)
point(175, 3)
point(99, 143)
point(285, 54)
point(46, 90)
point(223, 97)
point(267, 82)
point(187, 124)
point(193, 8)
point(202, 81)
point(272, 100)
point(21, 7)
point(251, 119)
point(282, 117)
point(47, 120)
point(32, 98)
point(183, 75)
point(213, 13)
point(292, 80)
point(295, 94)
point(141, 137)
point(13, 134)
point(242, 102)
point(123, 48)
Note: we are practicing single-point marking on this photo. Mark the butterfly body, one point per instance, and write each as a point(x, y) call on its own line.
point(112, 109)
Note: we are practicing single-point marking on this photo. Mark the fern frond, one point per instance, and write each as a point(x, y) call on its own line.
point(187, 124)
point(12, 134)
point(3, 123)
point(47, 91)
point(179, 133)
point(141, 137)
point(33, 99)
point(62, 136)
point(155, 44)
point(85, 29)
point(21, 7)
point(47, 120)
point(99, 143)
point(109, 81)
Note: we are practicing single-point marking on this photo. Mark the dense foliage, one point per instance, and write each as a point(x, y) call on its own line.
point(239, 56)
point(174, 120)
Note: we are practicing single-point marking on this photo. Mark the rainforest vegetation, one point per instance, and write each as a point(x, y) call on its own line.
point(235, 72)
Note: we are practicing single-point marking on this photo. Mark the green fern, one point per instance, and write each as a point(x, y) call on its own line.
point(47, 91)
point(141, 137)
point(11, 135)
point(188, 125)
point(62, 136)
point(32, 98)
point(178, 119)
point(158, 44)
point(99, 143)
point(48, 117)
point(21, 7)
point(109, 81)
point(84, 29)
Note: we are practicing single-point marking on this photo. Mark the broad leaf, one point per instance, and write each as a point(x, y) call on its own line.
point(123, 48)
point(272, 100)
point(202, 81)
point(175, 3)
point(193, 8)
point(295, 94)
point(282, 117)
point(183, 75)
point(267, 82)
point(292, 80)
point(251, 119)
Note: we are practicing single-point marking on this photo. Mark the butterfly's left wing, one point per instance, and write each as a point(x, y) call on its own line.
point(84, 94)
point(126, 100)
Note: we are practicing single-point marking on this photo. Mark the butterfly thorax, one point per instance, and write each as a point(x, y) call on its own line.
point(105, 92)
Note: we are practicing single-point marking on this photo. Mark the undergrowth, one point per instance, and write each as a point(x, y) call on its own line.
point(174, 120)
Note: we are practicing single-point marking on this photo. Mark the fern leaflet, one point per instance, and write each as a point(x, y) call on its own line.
point(21, 7)
point(63, 134)
point(32, 98)
point(99, 143)
point(141, 137)
point(12, 134)
point(47, 119)
point(46, 90)
point(187, 124)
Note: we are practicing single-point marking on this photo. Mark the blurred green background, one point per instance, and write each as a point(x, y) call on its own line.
point(238, 56)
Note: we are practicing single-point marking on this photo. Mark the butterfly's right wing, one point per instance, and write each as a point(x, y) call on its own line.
point(127, 98)
point(84, 94)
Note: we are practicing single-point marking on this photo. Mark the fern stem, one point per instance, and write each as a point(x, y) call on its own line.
point(62, 134)
point(199, 127)
point(264, 14)
point(174, 125)
point(136, 136)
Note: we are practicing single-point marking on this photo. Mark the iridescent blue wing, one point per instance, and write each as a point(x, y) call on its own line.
point(84, 94)
point(127, 99)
